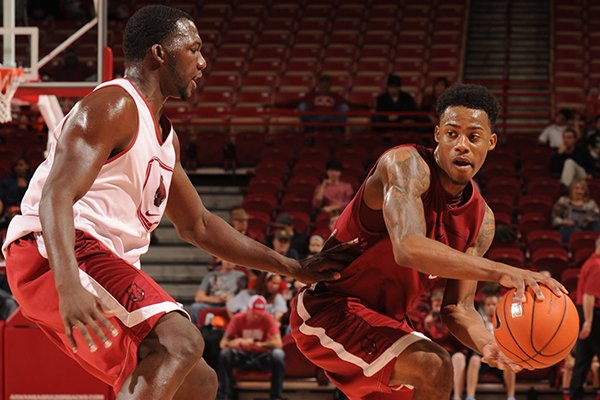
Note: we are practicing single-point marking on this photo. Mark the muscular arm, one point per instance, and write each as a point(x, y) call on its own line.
point(458, 307)
point(400, 179)
point(196, 225)
point(98, 127)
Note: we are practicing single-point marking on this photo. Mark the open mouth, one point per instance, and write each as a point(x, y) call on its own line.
point(462, 164)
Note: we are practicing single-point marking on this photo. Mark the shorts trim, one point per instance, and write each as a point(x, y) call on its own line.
point(369, 369)
point(129, 319)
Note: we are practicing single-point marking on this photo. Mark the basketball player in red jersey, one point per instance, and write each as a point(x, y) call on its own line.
point(419, 217)
point(72, 258)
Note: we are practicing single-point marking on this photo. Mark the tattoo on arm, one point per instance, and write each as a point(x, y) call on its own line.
point(405, 177)
point(486, 234)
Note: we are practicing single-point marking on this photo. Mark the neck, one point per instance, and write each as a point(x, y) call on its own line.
point(149, 87)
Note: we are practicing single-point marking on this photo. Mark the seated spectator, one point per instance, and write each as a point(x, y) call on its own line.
point(576, 212)
point(282, 243)
point(298, 240)
point(571, 160)
point(593, 139)
point(393, 101)
point(439, 333)
point(252, 342)
point(321, 101)
point(216, 288)
point(552, 135)
point(267, 285)
point(475, 368)
point(430, 99)
point(333, 194)
point(315, 244)
point(238, 218)
point(14, 185)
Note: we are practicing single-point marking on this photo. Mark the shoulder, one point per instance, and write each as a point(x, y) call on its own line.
point(407, 156)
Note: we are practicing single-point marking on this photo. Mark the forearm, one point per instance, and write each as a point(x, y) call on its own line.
point(432, 257)
point(217, 237)
point(588, 307)
point(466, 325)
point(58, 228)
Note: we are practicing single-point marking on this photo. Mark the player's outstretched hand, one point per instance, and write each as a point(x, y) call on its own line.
point(325, 266)
point(495, 358)
point(520, 279)
point(80, 310)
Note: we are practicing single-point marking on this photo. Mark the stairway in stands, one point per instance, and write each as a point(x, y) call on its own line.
point(508, 50)
point(177, 266)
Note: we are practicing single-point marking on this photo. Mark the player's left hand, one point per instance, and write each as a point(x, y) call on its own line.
point(325, 266)
point(495, 358)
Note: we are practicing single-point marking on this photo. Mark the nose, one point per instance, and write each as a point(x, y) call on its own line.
point(201, 62)
point(462, 144)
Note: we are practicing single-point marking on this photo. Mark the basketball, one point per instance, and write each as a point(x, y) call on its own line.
point(536, 334)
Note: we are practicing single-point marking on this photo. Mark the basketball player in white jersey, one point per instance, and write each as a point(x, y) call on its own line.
point(72, 258)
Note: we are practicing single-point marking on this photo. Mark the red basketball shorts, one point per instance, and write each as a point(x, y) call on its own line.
point(137, 300)
point(356, 346)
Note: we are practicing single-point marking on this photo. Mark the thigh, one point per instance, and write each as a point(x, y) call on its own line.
point(138, 302)
point(355, 345)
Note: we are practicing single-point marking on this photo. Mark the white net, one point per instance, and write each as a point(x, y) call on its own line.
point(9, 82)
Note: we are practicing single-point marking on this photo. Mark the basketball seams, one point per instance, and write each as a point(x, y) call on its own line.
point(511, 333)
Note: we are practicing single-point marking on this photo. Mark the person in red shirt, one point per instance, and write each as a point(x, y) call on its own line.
point(588, 305)
point(251, 342)
point(333, 194)
point(417, 217)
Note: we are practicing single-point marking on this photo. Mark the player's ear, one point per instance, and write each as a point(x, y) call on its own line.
point(436, 134)
point(493, 141)
point(158, 53)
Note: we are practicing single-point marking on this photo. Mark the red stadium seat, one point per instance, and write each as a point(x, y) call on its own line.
point(569, 278)
point(210, 149)
point(583, 239)
point(543, 239)
point(533, 221)
point(535, 203)
point(553, 259)
point(507, 255)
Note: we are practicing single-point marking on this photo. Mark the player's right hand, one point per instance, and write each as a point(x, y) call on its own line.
point(520, 279)
point(80, 310)
point(494, 357)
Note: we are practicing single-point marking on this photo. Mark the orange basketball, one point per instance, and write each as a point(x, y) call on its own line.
point(536, 334)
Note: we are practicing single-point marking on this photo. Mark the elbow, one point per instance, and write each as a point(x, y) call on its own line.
point(405, 253)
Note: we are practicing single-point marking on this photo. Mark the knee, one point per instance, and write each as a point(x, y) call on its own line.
point(459, 360)
point(278, 356)
point(188, 346)
point(432, 363)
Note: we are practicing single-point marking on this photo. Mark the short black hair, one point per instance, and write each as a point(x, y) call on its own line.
point(475, 97)
point(148, 26)
point(334, 165)
point(566, 112)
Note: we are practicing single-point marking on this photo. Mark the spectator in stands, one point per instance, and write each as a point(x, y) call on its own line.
point(588, 305)
point(251, 342)
point(269, 286)
point(298, 240)
point(8, 304)
point(330, 105)
point(282, 241)
point(216, 288)
point(593, 139)
point(14, 185)
point(571, 160)
point(440, 334)
point(238, 218)
point(429, 102)
point(552, 135)
point(70, 69)
point(475, 368)
point(392, 102)
point(315, 244)
point(333, 194)
point(576, 212)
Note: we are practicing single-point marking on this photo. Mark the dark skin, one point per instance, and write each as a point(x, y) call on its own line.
point(464, 137)
point(99, 127)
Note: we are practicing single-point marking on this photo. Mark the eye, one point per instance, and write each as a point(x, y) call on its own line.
point(451, 133)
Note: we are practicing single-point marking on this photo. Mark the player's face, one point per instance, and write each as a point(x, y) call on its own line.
point(464, 137)
point(183, 60)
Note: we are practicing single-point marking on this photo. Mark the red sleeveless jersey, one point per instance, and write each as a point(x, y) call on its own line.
point(374, 277)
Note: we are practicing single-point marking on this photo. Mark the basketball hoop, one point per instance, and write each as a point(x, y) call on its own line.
point(10, 78)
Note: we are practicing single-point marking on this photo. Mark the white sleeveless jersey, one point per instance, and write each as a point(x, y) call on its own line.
point(127, 199)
